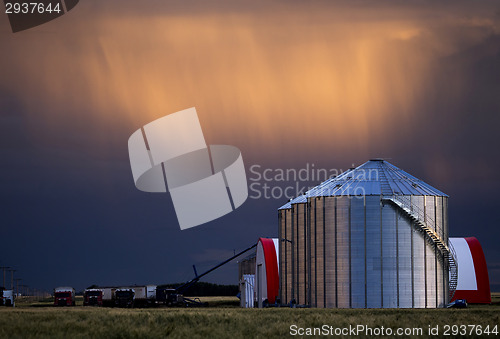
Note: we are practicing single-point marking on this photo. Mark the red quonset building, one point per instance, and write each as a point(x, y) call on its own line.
point(473, 282)
point(267, 271)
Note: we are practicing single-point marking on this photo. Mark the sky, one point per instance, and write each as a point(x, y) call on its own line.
point(292, 84)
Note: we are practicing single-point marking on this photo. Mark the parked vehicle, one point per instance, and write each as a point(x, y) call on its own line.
point(6, 297)
point(124, 297)
point(64, 296)
point(151, 294)
point(93, 297)
point(135, 296)
point(108, 296)
point(459, 303)
point(169, 296)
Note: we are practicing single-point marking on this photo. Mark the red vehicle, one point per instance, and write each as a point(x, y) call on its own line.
point(92, 297)
point(64, 296)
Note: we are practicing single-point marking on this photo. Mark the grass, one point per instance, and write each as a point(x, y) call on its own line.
point(222, 319)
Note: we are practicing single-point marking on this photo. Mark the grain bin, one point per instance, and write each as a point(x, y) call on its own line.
point(373, 237)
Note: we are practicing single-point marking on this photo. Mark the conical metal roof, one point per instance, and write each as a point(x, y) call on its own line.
point(300, 199)
point(374, 177)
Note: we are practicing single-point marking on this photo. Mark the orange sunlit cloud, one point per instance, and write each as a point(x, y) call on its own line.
point(268, 82)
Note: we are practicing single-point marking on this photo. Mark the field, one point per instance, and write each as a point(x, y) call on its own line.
point(224, 319)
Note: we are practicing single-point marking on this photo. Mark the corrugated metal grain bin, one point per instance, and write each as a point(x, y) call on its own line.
point(247, 290)
point(373, 237)
point(246, 265)
point(285, 252)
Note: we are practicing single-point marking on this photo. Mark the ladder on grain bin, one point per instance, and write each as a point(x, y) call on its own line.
point(422, 221)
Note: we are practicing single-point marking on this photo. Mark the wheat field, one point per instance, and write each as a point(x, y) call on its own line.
point(222, 319)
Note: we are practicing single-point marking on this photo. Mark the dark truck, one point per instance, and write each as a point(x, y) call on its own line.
point(169, 296)
point(135, 296)
point(124, 297)
point(93, 297)
point(64, 296)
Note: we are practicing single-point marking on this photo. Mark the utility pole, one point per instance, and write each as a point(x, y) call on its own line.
point(12, 278)
point(17, 285)
point(4, 268)
point(23, 290)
